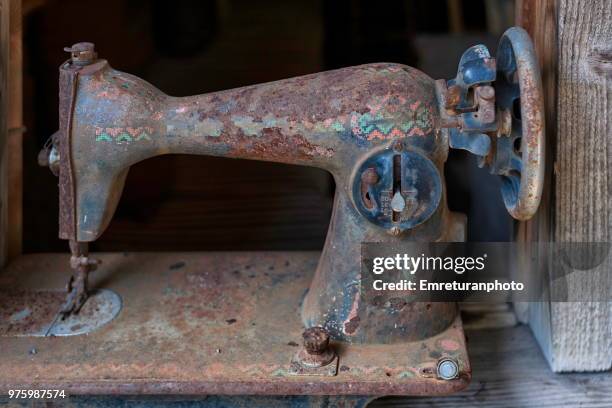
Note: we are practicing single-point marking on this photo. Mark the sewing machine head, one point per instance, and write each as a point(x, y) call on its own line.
point(382, 130)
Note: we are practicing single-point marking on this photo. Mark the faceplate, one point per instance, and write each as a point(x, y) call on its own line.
point(397, 190)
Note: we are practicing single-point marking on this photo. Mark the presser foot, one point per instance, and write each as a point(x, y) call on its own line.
point(77, 287)
point(76, 297)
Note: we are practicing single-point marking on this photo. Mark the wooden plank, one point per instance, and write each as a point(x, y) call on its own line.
point(539, 18)
point(4, 47)
point(455, 17)
point(509, 371)
point(15, 132)
point(500, 15)
point(577, 35)
point(10, 129)
point(583, 331)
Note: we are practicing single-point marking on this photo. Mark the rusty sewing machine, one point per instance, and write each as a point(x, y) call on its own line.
point(382, 130)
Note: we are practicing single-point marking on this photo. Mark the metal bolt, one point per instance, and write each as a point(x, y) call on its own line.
point(505, 126)
point(486, 92)
point(82, 53)
point(447, 369)
point(316, 340)
point(398, 146)
point(316, 351)
point(370, 176)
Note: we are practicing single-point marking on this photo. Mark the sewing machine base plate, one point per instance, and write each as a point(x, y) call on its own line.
point(35, 313)
point(207, 323)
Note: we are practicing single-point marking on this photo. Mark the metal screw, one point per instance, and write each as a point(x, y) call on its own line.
point(370, 176)
point(398, 146)
point(82, 53)
point(447, 369)
point(395, 231)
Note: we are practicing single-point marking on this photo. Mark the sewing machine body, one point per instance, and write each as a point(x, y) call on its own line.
point(333, 120)
point(382, 130)
point(329, 120)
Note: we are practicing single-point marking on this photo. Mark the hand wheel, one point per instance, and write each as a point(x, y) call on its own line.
point(520, 149)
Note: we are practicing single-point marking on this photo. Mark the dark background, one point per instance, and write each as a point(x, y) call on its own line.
point(186, 47)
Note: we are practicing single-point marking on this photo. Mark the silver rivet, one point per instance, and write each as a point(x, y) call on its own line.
point(448, 369)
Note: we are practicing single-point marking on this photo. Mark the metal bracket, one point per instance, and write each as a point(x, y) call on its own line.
point(470, 102)
point(493, 108)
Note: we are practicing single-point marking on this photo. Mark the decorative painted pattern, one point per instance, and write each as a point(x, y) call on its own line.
point(123, 135)
point(356, 372)
point(382, 122)
point(378, 124)
point(387, 118)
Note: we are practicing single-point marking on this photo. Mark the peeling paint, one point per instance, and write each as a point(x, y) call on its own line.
point(210, 127)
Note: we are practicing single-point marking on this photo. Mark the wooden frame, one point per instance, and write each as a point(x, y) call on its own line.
point(573, 39)
point(11, 129)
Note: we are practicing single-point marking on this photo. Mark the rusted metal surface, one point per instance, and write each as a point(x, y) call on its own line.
point(519, 77)
point(35, 313)
point(330, 120)
point(222, 323)
point(28, 312)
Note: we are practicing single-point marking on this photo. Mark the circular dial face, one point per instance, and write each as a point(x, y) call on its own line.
point(397, 189)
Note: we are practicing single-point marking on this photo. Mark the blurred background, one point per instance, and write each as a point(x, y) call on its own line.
point(187, 47)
